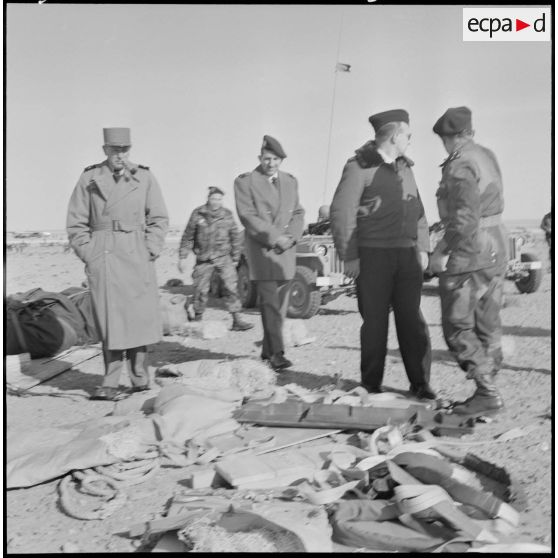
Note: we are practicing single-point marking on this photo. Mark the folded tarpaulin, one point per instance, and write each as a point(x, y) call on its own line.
point(45, 454)
point(40, 455)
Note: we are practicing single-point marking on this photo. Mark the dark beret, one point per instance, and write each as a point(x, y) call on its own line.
point(453, 121)
point(215, 190)
point(271, 144)
point(381, 118)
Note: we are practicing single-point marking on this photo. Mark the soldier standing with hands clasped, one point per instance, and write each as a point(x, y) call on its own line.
point(116, 224)
point(268, 206)
point(212, 235)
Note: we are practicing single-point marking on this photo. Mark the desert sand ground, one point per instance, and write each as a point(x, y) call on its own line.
point(35, 522)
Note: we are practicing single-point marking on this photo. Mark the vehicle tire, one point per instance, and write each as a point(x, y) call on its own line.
point(246, 288)
point(304, 299)
point(531, 282)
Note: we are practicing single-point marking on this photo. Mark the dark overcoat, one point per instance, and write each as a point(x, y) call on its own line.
point(267, 211)
point(117, 229)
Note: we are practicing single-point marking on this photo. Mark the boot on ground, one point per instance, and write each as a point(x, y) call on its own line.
point(239, 324)
point(485, 401)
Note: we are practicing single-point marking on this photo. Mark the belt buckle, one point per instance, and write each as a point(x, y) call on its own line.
point(116, 225)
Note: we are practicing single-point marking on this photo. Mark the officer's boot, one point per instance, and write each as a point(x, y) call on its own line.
point(238, 324)
point(486, 400)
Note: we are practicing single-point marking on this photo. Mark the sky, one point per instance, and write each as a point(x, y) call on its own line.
point(200, 85)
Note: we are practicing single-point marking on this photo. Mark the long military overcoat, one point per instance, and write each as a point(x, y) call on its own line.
point(267, 211)
point(118, 229)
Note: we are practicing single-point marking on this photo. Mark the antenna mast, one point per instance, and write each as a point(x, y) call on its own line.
point(332, 110)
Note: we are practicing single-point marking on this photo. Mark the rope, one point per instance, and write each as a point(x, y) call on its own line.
point(105, 481)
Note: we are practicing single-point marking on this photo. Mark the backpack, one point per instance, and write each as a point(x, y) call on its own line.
point(43, 324)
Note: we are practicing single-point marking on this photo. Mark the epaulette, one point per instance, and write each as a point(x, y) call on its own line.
point(91, 167)
point(244, 174)
point(143, 167)
point(290, 175)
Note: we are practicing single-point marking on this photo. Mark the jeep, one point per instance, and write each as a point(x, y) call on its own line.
point(318, 279)
point(524, 268)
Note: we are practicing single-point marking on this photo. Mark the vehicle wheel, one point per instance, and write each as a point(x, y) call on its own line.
point(304, 299)
point(246, 288)
point(531, 282)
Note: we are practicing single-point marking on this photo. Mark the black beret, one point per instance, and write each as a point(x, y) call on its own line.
point(271, 144)
point(215, 190)
point(453, 121)
point(395, 115)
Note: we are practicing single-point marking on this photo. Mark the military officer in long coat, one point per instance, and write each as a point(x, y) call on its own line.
point(268, 206)
point(116, 224)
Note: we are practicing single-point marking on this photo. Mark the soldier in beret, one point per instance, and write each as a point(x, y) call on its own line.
point(380, 231)
point(212, 235)
point(471, 258)
point(268, 206)
point(116, 224)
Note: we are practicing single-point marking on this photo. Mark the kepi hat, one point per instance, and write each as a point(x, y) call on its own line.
point(215, 190)
point(117, 137)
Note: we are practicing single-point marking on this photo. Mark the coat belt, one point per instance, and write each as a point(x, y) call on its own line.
point(119, 226)
point(490, 221)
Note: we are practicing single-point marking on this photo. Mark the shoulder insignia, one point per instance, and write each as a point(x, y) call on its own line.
point(91, 167)
point(243, 175)
point(291, 175)
point(143, 167)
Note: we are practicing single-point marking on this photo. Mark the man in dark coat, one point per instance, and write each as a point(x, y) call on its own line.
point(471, 258)
point(212, 235)
point(269, 209)
point(116, 224)
point(380, 232)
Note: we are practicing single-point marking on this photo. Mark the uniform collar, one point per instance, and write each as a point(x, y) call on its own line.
point(387, 159)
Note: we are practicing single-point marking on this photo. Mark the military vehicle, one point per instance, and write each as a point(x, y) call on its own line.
point(524, 268)
point(318, 279)
point(319, 276)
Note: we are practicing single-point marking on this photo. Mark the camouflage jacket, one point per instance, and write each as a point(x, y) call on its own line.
point(470, 203)
point(211, 234)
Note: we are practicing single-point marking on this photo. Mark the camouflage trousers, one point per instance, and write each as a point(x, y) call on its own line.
point(471, 304)
point(201, 276)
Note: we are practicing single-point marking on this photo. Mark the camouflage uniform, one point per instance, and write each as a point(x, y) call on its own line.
point(216, 240)
point(470, 203)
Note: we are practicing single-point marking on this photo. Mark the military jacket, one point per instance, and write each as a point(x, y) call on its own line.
point(377, 205)
point(470, 204)
point(211, 234)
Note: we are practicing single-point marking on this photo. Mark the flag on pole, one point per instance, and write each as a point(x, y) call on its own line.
point(340, 67)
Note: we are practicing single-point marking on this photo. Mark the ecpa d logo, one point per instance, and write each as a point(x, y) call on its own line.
point(506, 24)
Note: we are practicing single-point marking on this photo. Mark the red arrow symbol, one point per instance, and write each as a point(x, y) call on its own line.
point(519, 25)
